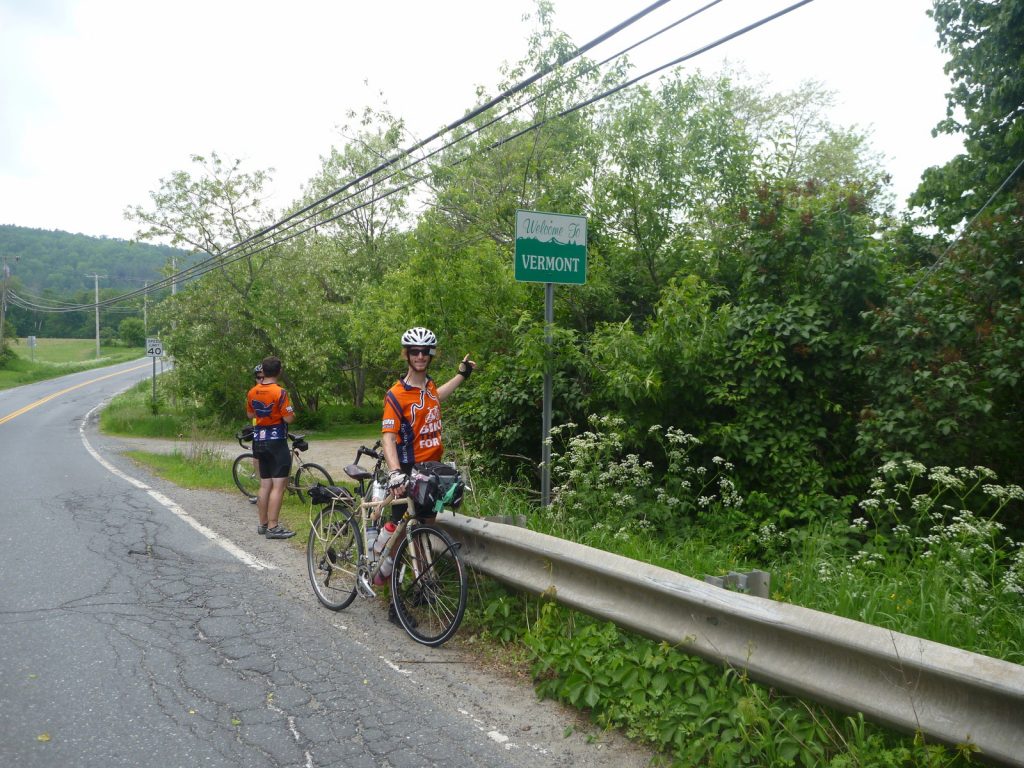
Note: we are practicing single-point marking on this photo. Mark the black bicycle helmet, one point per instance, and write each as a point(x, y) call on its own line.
point(257, 371)
point(420, 337)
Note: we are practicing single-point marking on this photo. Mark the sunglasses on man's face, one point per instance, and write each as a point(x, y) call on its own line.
point(419, 352)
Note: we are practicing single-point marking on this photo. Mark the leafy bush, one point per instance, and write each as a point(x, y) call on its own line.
point(597, 473)
point(499, 412)
point(132, 332)
point(927, 555)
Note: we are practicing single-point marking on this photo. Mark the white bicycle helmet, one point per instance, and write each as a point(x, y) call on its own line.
point(419, 337)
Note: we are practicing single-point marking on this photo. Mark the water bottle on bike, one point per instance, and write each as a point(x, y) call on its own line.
point(378, 549)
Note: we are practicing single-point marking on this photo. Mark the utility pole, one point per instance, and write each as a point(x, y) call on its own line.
point(3, 303)
point(96, 279)
point(3, 299)
point(145, 310)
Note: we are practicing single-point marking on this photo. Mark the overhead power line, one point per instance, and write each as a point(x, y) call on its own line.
point(370, 179)
point(505, 95)
point(974, 218)
point(534, 126)
point(274, 235)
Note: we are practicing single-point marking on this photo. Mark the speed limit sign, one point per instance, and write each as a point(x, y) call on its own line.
point(154, 348)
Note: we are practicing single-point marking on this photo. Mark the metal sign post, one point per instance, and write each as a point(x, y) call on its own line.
point(154, 349)
point(550, 248)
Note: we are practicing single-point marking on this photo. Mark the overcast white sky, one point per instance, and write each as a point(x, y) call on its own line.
point(100, 99)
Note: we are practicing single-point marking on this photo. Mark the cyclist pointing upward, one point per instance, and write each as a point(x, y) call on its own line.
point(411, 427)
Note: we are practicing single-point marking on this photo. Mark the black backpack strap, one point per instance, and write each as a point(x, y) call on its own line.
point(405, 452)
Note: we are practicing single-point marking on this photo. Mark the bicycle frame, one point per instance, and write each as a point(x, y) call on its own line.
point(368, 511)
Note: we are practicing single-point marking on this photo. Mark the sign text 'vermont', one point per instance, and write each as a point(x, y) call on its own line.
point(556, 263)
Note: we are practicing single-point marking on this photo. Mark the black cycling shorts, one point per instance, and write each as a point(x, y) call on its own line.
point(274, 457)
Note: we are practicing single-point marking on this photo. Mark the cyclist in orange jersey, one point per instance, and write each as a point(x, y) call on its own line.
point(267, 404)
point(411, 426)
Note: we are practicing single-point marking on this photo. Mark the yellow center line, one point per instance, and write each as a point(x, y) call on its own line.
point(30, 406)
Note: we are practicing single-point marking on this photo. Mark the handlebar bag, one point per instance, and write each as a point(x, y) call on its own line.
point(435, 485)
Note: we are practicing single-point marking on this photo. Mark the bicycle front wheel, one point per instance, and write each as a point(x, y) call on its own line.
point(308, 476)
point(246, 475)
point(428, 585)
point(333, 551)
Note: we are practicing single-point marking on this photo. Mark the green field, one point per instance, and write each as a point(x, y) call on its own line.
point(55, 357)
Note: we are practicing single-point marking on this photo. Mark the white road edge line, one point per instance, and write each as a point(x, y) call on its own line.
point(229, 546)
point(395, 667)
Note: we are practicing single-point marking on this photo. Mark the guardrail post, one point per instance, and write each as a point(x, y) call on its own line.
point(756, 583)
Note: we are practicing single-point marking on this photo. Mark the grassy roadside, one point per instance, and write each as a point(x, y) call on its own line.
point(57, 357)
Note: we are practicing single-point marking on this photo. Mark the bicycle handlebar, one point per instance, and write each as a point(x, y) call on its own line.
point(244, 436)
point(373, 453)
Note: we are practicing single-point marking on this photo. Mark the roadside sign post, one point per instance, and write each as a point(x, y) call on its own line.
point(550, 248)
point(154, 349)
point(32, 347)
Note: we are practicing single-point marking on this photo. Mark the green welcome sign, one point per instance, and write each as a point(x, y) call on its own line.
point(551, 248)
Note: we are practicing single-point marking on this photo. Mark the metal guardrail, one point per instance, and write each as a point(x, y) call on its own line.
point(901, 681)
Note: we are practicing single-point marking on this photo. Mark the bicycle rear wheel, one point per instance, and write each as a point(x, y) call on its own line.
point(308, 476)
point(429, 586)
point(246, 475)
point(333, 551)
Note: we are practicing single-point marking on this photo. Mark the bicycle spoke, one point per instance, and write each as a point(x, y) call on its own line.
point(429, 586)
point(333, 551)
point(246, 475)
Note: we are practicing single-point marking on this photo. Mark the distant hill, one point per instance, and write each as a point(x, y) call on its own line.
point(61, 264)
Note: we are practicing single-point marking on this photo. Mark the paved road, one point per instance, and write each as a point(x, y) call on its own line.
point(147, 625)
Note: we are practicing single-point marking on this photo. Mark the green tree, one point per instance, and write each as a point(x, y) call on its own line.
point(349, 256)
point(216, 327)
point(794, 138)
point(945, 359)
point(764, 373)
point(132, 332)
point(985, 44)
point(669, 159)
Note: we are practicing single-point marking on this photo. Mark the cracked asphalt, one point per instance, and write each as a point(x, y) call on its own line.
point(131, 636)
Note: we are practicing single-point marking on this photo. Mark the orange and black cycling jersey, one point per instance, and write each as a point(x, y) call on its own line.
point(267, 405)
point(414, 415)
